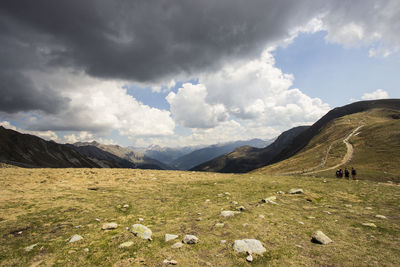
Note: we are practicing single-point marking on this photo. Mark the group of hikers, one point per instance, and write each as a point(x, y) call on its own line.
point(339, 173)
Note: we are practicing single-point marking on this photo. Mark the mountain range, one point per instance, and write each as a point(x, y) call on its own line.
point(309, 148)
point(300, 140)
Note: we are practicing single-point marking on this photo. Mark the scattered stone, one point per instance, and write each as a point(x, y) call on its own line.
point(227, 193)
point(154, 179)
point(126, 244)
point(29, 248)
point(228, 213)
point(296, 191)
point(249, 258)
point(207, 200)
point(198, 219)
point(310, 217)
point(240, 208)
point(301, 223)
point(71, 251)
point(380, 216)
point(125, 206)
point(245, 224)
point(280, 192)
point(169, 237)
point(369, 225)
point(320, 238)
point(177, 245)
point(219, 225)
point(327, 212)
point(368, 208)
point(141, 231)
point(190, 239)
point(220, 195)
point(261, 216)
point(86, 250)
point(270, 200)
point(78, 226)
point(75, 238)
point(199, 213)
point(140, 219)
point(249, 246)
point(299, 246)
point(223, 241)
point(235, 202)
point(348, 205)
point(168, 262)
point(131, 180)
point(109, 226)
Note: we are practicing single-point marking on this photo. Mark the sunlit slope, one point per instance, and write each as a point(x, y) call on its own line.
point(374, 136)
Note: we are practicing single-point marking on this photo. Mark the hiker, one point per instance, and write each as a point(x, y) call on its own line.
point(337, 174)
point(346, 173)
point(340, 173)
point(353, 173)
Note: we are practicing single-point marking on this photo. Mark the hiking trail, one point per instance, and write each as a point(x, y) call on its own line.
point(346, 158)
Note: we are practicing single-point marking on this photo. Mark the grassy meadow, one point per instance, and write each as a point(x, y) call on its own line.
point(48, 206)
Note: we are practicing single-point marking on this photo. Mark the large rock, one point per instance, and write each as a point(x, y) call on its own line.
point(296, 191)
point(190, 239)
point(320, 238)
point(141, 231)
point(169, 237)
point(251, 246)
point(109, 226)
point(228, 213)
point(75, 238)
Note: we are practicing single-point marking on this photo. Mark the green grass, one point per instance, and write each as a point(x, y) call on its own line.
point(376, 148)
point(53, 211)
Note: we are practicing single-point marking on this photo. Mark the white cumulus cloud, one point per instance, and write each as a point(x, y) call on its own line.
point(378, 94)
point(190, 109)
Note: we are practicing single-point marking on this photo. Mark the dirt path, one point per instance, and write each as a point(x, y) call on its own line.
point(347, 157)
point(349, 153)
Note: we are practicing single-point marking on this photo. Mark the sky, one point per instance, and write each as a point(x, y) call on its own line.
point(181, 73)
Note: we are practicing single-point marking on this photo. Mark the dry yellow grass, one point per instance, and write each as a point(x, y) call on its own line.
point(48, 206)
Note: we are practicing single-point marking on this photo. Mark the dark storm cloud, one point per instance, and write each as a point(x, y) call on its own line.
point(18, 93)
point(148, 40)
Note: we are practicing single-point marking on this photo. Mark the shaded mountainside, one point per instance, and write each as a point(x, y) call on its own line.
point(121, 156)
point(31, 151)
point(246, 158)
point(208, 153)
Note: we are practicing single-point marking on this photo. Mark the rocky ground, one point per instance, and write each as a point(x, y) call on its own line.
point(118, 217)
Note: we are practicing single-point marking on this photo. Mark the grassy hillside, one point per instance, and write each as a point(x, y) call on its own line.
point(48, 206)
point(376, 148)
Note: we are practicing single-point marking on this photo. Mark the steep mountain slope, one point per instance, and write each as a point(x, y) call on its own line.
point(367, 140)
point(205, 154)
point(123, 157)
point(103, 158)
point(31, 151)
point(246, 158)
